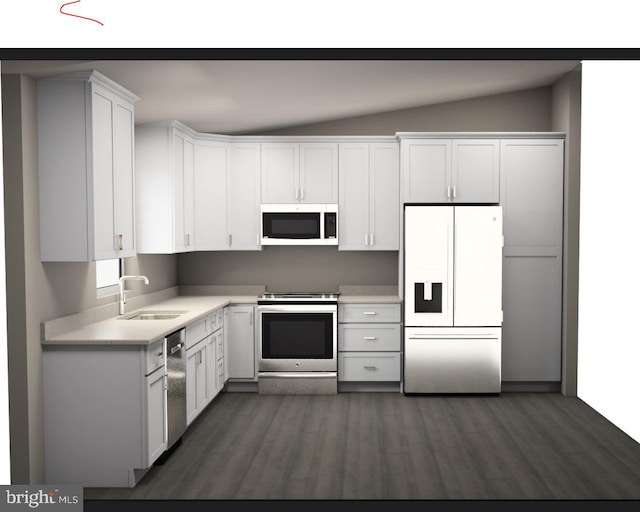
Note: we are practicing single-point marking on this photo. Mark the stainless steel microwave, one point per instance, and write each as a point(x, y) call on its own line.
point(299, 224)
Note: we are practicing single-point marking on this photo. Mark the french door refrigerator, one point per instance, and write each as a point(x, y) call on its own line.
point(452, 299)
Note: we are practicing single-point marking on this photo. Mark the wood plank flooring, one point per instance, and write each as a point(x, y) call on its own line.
point(388, 446)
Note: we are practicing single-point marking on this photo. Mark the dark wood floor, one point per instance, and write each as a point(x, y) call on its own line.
point(388, 446)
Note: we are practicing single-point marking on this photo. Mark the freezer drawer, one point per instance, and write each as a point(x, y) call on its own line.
point(456, 360)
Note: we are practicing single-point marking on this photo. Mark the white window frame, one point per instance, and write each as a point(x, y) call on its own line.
point(113, 287)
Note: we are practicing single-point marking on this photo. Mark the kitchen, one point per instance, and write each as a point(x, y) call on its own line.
point(69, 288)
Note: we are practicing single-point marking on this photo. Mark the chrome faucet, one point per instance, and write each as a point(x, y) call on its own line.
point(123, 298)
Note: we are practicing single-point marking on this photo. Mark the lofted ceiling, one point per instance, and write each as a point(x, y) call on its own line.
point(250, 96)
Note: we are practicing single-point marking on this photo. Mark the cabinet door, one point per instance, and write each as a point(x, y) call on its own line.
point(244, 197)
point(475, 171)
point(124, 178)
point(183, 212)
point(241, 345)
point(102, 112)
point(384, 193)
point(426, 170)
point(196, 380)
point(210, 195)
point(156, 415)
point(212, 363)
point(188, 191)
point(353, 214)
point(280, 172)
point(318, 182)
point(531, 196)
point(178, 148)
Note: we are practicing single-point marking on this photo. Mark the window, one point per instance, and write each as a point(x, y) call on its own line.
point(108, 274)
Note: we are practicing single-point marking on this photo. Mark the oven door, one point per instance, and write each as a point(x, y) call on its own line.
point(298, 337)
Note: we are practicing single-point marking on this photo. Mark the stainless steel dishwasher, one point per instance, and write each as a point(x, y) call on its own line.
point(176, 387)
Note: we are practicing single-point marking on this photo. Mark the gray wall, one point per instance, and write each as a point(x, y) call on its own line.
point(527, 110)
point(38, 291)
point(290, 268)
point(565, 115)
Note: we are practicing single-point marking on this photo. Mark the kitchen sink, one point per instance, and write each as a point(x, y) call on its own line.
point(154, 315)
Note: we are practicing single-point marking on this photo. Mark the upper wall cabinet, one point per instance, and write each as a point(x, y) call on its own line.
point(86, 168)
point(369, 196)
point(165, 219)
point(443, 170)
point(299, 172)
point(226, 195)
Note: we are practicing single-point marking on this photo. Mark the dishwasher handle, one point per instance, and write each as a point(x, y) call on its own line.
point(176, 348)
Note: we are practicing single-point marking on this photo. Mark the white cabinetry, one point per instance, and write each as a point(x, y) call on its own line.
point(205, 363)
point(196, 379)
point(532, 176)
point(243, 199)
point(86, 168)
point(210, 195)
point(369, 343)
point(369, 196)
point(98, 438)
point(165, 188)
point(299, 172)
point(442, 170)
point(240, 344)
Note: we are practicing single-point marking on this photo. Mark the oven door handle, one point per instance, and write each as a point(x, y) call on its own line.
point(298, 308)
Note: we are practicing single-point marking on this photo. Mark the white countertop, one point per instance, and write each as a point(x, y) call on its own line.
point(119, 331)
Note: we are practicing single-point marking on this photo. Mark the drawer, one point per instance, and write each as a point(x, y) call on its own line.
point(154, 356)
point(368, 313)
point(219, 346)
point(369, 366)
point(195, 332)
point(215, 321)
point(369, 337)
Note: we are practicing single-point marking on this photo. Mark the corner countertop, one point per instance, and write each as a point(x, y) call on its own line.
point(120, 331)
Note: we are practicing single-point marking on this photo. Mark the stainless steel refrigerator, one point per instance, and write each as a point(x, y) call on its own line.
point(452, 299)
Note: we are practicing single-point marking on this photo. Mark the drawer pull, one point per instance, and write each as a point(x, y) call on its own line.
point(369, 313)
point(370, 367)
point(369, 338)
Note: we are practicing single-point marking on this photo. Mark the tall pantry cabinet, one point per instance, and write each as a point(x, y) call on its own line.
point(86, 168)
point(524, 173)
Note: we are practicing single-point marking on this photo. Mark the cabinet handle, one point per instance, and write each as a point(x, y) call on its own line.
point(454, 192)
point(302, 193)
point(200, 357)
point(448, 192)
point(251, 318)
point(369, 313)
point(366, 239)
point(229, 239)
point(297, 193)
point(369, 338)
point(370, 367)
point(371, 240)
point(120, 242)
point(187, 239)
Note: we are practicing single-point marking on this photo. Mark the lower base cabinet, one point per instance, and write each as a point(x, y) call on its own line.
point(104, 415)
point(205, 363)
point(369, 343)
point(241, 345)
point(196, 379)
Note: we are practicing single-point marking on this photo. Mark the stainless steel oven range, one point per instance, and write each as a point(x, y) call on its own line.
point(298, 343)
